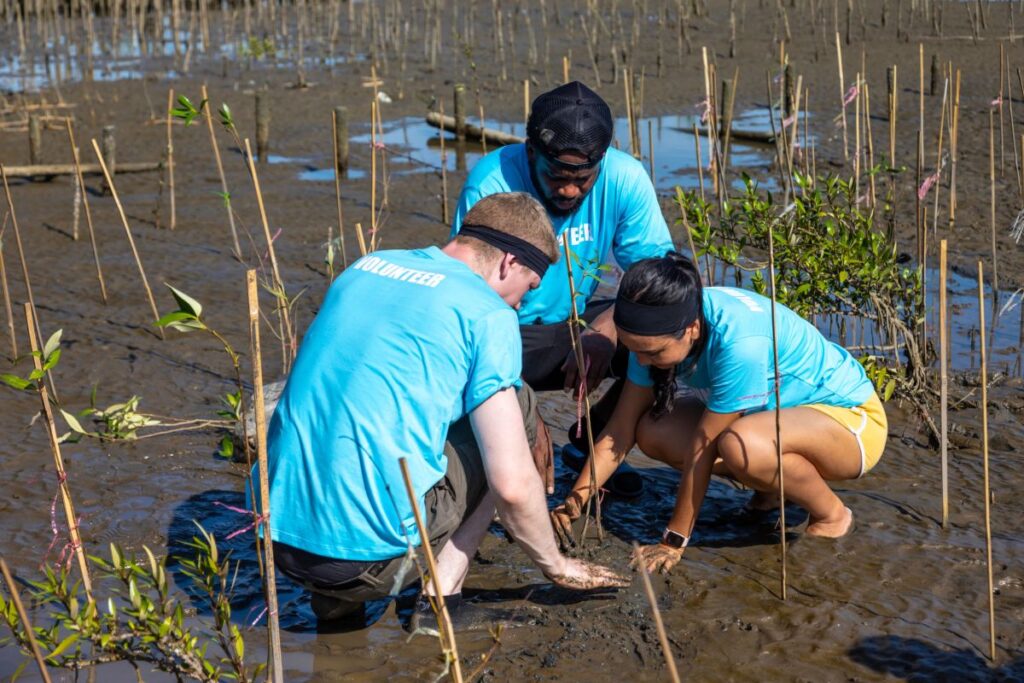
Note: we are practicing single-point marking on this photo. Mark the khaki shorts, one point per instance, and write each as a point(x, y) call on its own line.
point(868, 423)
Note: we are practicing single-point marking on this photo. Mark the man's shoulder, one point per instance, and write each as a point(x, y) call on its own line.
point(502, 168)
point(620, 165)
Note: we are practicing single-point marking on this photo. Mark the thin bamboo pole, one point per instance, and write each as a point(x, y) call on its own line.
point(842, 98)
point(252, 291)
point(223, 179)
point(337, 188)
point(444, 619)
point(943, 384)
point(666, 649)
point(7, 302)
point(954, 149)
point(778, 409)
point(170, 157)
point(361, 239)
point(581, 369)
point(444, 178)
point(17, 242)
point(128, 234)
point(58, 460)
point(992, 199)
point(88, 212)
point(987, 492)
point(23, 616)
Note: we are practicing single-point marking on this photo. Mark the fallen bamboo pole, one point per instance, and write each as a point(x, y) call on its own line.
point(252, 291)
point(58, 460)
point(88, 212)
point(987, 492)
point(943, 384)
point(23, 616)
point(128, 234)
point(473, 132)
point(443, 618)
point(69, 169)
point(666, 649)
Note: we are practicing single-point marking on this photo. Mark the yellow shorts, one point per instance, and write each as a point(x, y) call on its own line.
point(868, 423)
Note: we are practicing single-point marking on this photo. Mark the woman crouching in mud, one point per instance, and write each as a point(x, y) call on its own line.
point(717, 341)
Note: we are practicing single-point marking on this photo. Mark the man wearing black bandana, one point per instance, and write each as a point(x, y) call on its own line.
point(603, 201)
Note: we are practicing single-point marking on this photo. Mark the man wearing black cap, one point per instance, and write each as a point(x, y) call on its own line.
point(604, 200)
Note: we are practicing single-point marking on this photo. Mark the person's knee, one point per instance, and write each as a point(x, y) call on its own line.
point(743, 450)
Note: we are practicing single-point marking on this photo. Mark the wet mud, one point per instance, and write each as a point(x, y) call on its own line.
point(898, 599)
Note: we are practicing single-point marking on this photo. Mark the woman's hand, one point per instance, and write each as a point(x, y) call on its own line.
point(656, 558)
point(564, 515)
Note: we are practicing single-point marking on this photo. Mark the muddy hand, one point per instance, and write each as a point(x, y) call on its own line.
point(544, 455)
point(598, 350)
point(656, 558)
point(562, 518)
point(583, 575)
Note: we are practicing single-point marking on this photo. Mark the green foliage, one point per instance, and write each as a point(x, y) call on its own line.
point(830, 260)
point(116, 422)
point(140, 620)
point(49, 357)
point(186, 111)
point(258, 47)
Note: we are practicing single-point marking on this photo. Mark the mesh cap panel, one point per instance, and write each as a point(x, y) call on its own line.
point(570, 118)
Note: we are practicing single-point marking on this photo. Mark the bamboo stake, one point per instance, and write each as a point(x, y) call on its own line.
point(992, 199)
point(88, 212)
point(954, 145)
point(943, 385)
point(444, 621)
point(223, 179)
point(7, 301)
point(526, 101)
point(128, 234)
point(984, 449)
point(565, 69)
point(23, 616)
point(170, 156)
point(287, 343)
point(650, 151)
point(842, 98)
point(373, 167)
point(444, 178)
point(581, 369)
point(666, 649)
point(778, 409)
point(700, 163)
point(361, 239)
point(252, 290)
point(62, 477)
point(17, 242)
point(337, 187)
point(938, 157)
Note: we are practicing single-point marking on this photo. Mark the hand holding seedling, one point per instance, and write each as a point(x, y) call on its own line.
point(656, 558)
point(564, 515)
point(583, 575)
point(598, 343)
point(544, 456)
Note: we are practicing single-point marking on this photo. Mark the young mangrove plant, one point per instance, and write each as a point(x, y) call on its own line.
point(141, 621)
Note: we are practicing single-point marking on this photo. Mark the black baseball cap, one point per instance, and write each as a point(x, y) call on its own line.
point(570, 118)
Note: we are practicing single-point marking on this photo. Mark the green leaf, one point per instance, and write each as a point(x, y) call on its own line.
point(175, 318)
point(51, 360)
point(227, 447)
point(16, 382)
point(73, 422)
point(889, 389)
point(64, 645)
point(185, 302)
point(52, 343)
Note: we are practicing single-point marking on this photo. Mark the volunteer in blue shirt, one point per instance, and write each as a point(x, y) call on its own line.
point(603, 200)
point(717, 341)
point(406, 344)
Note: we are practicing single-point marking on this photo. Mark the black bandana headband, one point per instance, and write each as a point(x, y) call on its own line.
point(529, 255)
point(654, 321)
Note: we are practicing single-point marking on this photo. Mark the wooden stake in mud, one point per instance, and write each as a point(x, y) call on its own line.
point(17, 242)
point(262, 125)
point(992, 199)
point(526, 100)
point(223, 179)
point(35, 139)
point(778, 409)
point(170, 156)
point(987, 492)
point(954, 147)
point(666, 649)
point(108, 144)
point(565, 69)
point(7, 302)
point(252, 290)
point(943, 385)
point(58, 460)
point(85, 203)
point(443, 618)
point(581, 370)
point(842, 99)
point(128, 234)
point(23, 616)
point(459, 96)
point(338, 116)
point(444, 177)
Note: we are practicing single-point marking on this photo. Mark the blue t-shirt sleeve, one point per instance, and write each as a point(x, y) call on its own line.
point(740, 376)
point(497, 362)
point(469, 196)
point(642, 231)
point(638, 374)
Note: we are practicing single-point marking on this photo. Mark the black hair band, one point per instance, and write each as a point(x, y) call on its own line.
point(529, 255)
point(653, 321)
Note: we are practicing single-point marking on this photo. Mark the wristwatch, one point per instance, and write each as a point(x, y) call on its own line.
point(674, 540)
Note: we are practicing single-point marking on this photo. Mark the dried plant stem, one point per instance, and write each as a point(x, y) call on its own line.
point(943, 385)
point(778, 409)
point(581, 368)
point(17, 242)
point(954, 146)
point(252, 290)
point(281, 296)
point(88, 212)
point(670, 661)
point(23, 616)
point(842, 99)
point(337, 188)
point(987, 492)
point(7, 302)
point(62, 477)
point(170, 157)
point(128, 234)
point(223, 180)
point(444, 619)
point(444, 174)
point(992, 198)
point(361, 239)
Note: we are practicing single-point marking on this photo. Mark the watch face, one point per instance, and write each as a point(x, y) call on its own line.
point(674, 540)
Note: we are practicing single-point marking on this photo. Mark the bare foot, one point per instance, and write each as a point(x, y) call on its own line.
point(828, 528)
point(764, 501)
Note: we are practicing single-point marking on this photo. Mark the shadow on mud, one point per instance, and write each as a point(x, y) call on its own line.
point(917, 661)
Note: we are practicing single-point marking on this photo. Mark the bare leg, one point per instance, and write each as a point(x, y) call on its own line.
point(454, 558)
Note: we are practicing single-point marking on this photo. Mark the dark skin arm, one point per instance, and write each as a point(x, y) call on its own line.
point(598, 342)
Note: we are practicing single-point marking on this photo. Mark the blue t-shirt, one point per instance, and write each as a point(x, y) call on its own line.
point(736, 373)
point(620, 214)
point(406, 343)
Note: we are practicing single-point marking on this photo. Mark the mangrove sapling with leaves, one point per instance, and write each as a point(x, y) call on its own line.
point(835, 264)
point(141, 621)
